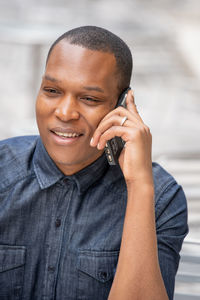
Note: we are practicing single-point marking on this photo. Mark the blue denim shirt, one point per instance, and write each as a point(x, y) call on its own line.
point(60, 235)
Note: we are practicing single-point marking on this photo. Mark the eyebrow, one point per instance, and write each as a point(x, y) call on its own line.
point(93, 88)
point(88, 88)
point(49, 78)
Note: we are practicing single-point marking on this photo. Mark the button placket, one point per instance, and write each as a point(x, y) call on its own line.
point(60, 211)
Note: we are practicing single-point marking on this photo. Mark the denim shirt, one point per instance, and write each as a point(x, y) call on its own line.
point(60, 235)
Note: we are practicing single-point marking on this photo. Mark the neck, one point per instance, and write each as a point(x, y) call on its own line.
point(70, 169)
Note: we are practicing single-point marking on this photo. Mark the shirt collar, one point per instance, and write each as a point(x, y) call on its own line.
point(48, 173)
point(45, 169)
point(91, 174)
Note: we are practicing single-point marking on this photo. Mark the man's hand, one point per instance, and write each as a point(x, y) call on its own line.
point(135, 158)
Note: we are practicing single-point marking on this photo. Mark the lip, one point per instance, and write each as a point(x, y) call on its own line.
point(66, 130)
point(65, 141)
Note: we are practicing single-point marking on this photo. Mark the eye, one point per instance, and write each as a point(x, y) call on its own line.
point(51, 91)
point(90, 100)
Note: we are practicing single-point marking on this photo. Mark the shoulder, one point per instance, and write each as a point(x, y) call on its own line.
point(15, 158)
point(19, 140)
point(170, 200)
point(162, 180)
point(17, 146)
point(169, 195)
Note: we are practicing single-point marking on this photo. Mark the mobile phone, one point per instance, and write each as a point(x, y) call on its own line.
point(115, 145)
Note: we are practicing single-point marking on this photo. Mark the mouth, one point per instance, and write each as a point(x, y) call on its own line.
point(65, 136)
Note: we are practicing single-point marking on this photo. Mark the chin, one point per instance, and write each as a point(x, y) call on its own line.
point(76, 161)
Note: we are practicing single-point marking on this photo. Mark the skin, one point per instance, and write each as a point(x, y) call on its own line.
point(72, 99)
point(78, 94)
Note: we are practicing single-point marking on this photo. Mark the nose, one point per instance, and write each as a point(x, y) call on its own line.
point(67, 109)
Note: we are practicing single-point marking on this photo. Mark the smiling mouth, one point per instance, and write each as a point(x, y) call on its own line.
point(66, 135)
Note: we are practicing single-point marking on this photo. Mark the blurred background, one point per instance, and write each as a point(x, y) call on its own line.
point(164, 36)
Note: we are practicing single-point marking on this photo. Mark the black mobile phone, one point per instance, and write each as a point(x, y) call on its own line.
point(115, 145)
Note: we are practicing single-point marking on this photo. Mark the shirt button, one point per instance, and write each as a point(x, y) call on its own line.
point(57, 222)
point(51, 268)
point(103, 275)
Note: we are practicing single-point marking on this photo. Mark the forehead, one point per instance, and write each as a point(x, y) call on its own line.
point(76, 61)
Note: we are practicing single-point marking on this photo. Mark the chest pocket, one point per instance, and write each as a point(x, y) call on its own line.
point(12, 261)
point(96, 272)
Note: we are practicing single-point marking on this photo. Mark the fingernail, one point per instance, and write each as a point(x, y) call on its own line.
point(132, 93)
point(91, 141)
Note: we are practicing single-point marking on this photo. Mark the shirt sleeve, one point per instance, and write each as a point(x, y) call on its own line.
point(171, 228)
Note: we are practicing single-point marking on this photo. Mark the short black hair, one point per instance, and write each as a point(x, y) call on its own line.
point(100, 39)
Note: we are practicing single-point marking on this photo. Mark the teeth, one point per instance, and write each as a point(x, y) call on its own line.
point(69, 135)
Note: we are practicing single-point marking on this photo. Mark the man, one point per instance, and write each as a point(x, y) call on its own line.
point(71, 226)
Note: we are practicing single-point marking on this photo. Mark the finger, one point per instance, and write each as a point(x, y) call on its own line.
point(130, 132)
point(114, 120)
point(112, 132)
point(120, 111)
point(127, 133)
point(131, 106)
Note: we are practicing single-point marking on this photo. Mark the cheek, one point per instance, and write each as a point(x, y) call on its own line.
point(38, 107)
point(41, 114)
point(42, 109)
point(95, 119)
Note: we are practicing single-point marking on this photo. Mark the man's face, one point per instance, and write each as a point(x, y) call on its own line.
point(78, 89)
